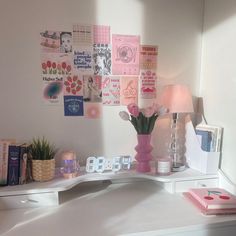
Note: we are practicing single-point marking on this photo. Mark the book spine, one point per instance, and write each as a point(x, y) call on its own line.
point(13, 165)
point(4, 162)
point(205, 139)
point(23, 164)
point(1, 161)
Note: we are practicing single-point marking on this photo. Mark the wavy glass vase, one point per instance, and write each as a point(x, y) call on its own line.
point(143, 156)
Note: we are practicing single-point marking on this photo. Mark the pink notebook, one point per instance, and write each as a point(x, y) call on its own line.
point(212, 200)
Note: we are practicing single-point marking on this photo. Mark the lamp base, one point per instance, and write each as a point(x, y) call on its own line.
point(177, 167)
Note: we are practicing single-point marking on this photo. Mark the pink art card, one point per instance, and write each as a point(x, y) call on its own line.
point(148, 57)
point(56, 64)
point(102, 59)
point(56, 42)
point(92, 88)
point(125, 54)
point(53, 90)
point(50, 41)
point(82, 35)
point(128, 90)
point(92, 110)
point(101, 34)
point(73, 85)
point(148, 80)
point(82, 58)
point(111, 90)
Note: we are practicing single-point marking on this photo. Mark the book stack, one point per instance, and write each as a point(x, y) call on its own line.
point(15, 165)
point(210, 137)
point(212, 201)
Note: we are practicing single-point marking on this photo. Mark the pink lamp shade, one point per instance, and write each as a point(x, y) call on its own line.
point(177, 98)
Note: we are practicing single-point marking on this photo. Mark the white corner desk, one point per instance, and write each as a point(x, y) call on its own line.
point(97, 206)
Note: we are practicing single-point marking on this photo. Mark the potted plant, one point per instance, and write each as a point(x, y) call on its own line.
point(43, 162)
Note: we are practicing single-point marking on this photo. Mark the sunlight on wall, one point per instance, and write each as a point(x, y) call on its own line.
point(219, 76)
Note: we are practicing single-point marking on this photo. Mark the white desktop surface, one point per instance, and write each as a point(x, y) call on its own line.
point(138, 208)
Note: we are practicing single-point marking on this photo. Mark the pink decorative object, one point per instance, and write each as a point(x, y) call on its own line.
point(143, 155)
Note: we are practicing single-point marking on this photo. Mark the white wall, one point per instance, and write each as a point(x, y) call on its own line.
point(175, 26)
point(218, 83)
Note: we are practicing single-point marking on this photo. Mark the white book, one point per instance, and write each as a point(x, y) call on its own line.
point(217, 132)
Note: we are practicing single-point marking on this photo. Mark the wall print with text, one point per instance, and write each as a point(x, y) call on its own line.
point(83, 60)
point(111, 90)
point(148, 57)
point(148, 81)
point(52, 90)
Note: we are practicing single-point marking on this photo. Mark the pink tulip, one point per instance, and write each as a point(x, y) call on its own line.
point(156, 107)
point(133, 109)
point(148, 112)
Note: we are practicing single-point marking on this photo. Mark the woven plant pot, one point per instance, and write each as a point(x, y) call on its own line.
point(43, 170)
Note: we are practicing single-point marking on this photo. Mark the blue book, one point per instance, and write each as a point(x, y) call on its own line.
point(13, 164)
point(206, 137)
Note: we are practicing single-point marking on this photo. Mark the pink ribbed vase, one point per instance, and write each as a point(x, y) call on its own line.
point(143, 155)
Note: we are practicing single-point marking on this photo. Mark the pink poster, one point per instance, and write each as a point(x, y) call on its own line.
point(111, 90)
point(148, 81)
point(148, 57)
point(101, 34)
point(125, 54)
point(92, 110)
point(128, 90)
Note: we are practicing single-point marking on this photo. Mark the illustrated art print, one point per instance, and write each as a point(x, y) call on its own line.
point(92, 88)
point(128, 90)
point(102, 59)
point(125, 55)
point(50, 41)
point(56, 64)
point(73, 85)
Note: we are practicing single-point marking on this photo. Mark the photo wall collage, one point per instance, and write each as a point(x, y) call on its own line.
point(86, 68)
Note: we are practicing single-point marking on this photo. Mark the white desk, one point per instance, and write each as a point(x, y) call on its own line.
point(47, 193)
point(138, 208)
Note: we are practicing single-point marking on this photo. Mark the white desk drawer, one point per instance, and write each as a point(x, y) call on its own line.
point(29, 200)
point(183, 186)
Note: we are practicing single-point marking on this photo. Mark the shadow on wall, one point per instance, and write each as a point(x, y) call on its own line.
point(211, 8)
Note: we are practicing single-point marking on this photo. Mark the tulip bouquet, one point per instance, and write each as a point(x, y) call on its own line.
point(143, 120)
